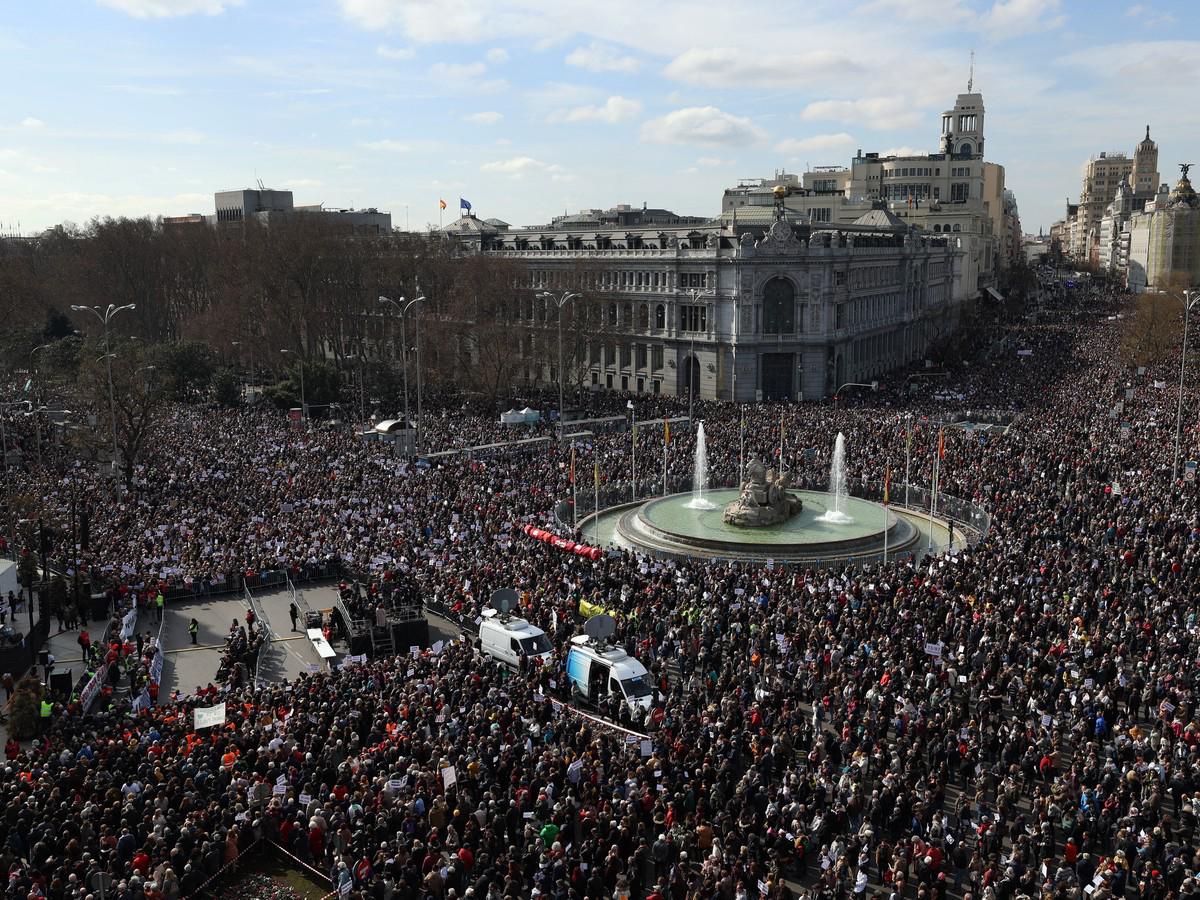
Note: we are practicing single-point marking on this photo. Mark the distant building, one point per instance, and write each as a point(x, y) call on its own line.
point(1103, 176)
point(952, 191)
point(265, 205)
point(1164, 242)
point(772, 309)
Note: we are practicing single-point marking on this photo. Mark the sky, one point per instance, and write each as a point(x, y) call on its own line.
point(529, 108)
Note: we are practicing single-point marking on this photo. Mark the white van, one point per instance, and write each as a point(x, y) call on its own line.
point(600, 670)
point(505, 638)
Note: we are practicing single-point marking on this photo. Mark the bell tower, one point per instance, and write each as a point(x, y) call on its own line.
point(962, 127)
point(1145, 179)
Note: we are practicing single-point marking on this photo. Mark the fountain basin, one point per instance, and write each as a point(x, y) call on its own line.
point(669, 526)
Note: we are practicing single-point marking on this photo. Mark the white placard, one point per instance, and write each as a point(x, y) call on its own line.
point(449, 777)
point(208, 716)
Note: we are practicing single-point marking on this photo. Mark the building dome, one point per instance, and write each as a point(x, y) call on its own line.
point(1184, 195)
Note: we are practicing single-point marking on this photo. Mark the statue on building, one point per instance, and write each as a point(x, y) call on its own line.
point(712, 241)
point(764, 499)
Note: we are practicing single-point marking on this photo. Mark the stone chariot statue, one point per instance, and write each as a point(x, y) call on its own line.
point(764, 499)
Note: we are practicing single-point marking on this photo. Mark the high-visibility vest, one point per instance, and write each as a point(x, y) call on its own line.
point(47, 709)
point(161, 601)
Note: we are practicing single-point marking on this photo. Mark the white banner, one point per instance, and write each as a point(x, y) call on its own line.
point(208, 716)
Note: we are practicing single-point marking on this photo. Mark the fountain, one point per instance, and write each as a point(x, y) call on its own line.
point(837, 515)
point(700, 474)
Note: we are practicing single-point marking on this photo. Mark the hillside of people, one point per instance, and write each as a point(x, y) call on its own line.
point(803, 741)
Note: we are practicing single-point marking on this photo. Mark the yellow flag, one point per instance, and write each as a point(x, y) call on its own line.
point(596, 473)
point(666, 432)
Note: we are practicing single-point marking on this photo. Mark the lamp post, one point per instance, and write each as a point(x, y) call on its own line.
point(32, 370)
point(303, 401)
point(1189, 300)
point(560, 301)
point(402, 306)
point(105, 318)
point(695, 294)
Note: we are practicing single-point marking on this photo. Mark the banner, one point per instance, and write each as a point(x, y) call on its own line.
point(208, 716)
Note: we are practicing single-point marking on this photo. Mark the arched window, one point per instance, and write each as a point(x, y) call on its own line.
point(643, 317)
point(937, 228)
point(660, 317)
point(612, 314)
point(957, 227)
point(965, 148)
point(779, 307)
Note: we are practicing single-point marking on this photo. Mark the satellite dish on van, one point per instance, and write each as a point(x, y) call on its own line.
point(504, 599)
point(600, 627)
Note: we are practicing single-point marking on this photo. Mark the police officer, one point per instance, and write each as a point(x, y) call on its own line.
point(193, 630)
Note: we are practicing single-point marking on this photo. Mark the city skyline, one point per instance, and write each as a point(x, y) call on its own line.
point(146, 107)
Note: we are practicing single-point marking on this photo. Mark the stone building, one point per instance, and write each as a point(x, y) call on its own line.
point(952, 190)
point(1164, 242)
point(778, 308)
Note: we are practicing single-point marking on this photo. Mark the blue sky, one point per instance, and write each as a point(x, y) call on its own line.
point(529, 108)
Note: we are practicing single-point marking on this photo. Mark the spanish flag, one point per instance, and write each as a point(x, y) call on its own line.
point(441, 204)
point(572, 475)
point(596, 474)
point(887, 485)
point(666, 432)
point(941, 443)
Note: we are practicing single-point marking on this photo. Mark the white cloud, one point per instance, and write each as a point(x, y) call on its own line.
point(597, 57)
point(32, 122)
point(818, 142)
point(714, 162)
point(387, 52)
point(615, 109)
point(388, 145)
point(939, 13)
point(1136, 10)
point(496, 55)
point(519, 166)
point(701, 125)
point(872, 112)
point(490, 117)
point(165, 9)
point(457, 71)
point(1009, 18)
point(182, 136)
point(723, 66)
point(1164, 65)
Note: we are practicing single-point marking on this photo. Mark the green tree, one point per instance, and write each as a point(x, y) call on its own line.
point(226, 389)
point(186, 368)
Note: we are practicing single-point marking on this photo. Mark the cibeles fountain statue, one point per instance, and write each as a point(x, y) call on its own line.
point(764, 499)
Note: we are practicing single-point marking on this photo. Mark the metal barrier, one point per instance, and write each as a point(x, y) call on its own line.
point(264, 625)
point(297, 597)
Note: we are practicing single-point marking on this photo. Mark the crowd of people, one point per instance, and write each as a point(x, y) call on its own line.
point(1014, 719)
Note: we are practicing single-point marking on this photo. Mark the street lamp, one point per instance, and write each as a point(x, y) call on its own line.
point(1189, 300)
point(32, 370)
point(106, 317)
point(303, 402)
point(695, 294)
point(402, 306)
point(560, 301)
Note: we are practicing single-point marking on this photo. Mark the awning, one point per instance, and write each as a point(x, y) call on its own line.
point(995, 294)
